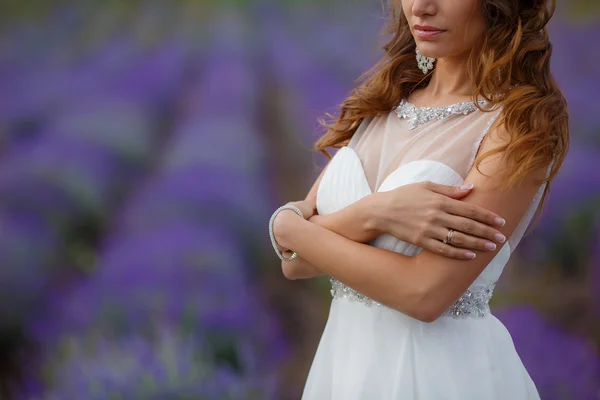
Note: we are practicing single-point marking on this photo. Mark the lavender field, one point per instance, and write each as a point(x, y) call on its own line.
point(143, 147)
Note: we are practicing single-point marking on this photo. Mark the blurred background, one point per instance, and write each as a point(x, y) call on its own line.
point(143, 147)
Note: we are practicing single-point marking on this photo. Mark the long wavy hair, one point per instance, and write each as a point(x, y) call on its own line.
point(509, 66)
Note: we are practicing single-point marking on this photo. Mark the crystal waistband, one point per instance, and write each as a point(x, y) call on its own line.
point(473, 303)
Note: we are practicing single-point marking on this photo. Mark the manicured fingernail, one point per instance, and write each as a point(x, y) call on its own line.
point(490, 246)
point(466, 187)
point(499, 237)
point(500, 221)
point(470, 255)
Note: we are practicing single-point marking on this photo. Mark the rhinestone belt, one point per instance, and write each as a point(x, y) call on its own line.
point(473, 303)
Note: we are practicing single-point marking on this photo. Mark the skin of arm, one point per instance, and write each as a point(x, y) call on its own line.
point(356, 226)
point(299, 268)
point(348, 222)
point(424, 286)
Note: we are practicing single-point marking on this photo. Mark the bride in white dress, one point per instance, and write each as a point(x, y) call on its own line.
point(442, 164)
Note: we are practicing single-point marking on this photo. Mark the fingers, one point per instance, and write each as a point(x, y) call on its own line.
point(472, 228)
point(455, 192)
point(463, 209)
point(472, 212)
point(466, 241)
point(447, 250)
point(305, 207)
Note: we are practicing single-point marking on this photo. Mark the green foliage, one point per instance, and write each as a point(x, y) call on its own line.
point(584, 9)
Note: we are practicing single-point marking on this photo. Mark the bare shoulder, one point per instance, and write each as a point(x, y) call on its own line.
point(497, 144)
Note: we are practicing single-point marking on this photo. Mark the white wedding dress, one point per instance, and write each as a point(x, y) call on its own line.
point(371, 352)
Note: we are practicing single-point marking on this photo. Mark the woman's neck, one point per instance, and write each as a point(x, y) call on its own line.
point(449, 84)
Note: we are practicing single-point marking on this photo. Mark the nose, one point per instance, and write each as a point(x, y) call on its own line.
point(423, 7)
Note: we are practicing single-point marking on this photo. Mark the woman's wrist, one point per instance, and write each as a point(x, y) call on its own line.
point(283, 226)
point(373, 211)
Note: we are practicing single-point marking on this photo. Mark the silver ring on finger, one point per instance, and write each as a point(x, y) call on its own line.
point(448, 239)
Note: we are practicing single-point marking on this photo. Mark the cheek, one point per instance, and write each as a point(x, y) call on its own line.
point(472, 25)
point(405, 6)
point(474, 30)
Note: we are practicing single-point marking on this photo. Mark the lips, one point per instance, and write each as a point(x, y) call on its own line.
point(427, 31)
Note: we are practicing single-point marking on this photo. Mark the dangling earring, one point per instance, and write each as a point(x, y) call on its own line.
point(425, 63)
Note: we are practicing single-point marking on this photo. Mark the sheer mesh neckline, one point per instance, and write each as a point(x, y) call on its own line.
point(418, 116)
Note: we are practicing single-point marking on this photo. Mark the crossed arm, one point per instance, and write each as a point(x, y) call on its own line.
point(423, 286)
point(348, 222)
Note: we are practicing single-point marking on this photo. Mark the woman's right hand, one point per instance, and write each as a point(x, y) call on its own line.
point(422, 214)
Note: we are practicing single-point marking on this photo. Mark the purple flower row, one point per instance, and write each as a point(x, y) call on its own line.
point(169, 364)
point(178, 252)
point(562, 366)
point(176, 255)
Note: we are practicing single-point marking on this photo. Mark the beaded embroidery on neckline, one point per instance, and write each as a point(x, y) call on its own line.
point(418, 116)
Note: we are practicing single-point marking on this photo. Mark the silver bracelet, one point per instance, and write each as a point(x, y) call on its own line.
point(273, 242)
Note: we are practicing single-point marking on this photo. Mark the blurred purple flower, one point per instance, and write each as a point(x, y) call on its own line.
point(311, 90)
point(209, 142)
point(327, 40)
point(58, 176)
point(196, 195)
point(184, 275)
point(156, 75)
point(574, 184)
point(27, 250)
point(167, 272)
point(110, 123)
point(594, 271)
point(167, 365)
point(38, 88)
point(229, 81)
point(571, 52)
point(562, 366)
point(572, 193)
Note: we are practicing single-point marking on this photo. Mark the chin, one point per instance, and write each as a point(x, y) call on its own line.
point(430, 49)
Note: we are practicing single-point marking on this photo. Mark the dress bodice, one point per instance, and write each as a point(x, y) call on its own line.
point(344, 183)
point(387, 152)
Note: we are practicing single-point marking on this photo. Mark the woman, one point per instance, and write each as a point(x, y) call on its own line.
point(443, 161)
